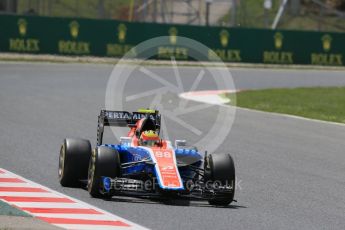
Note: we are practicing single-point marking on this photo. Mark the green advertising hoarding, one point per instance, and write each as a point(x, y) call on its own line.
point(109, 38)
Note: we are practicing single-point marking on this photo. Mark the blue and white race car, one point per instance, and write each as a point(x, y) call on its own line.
point(144, 165)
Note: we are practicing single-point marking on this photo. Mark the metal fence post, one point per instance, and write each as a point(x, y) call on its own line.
point(208, 5)
point(101, 9)
point(155, 11)
point(233, 13)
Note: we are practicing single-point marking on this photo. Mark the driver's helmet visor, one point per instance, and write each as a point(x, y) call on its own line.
point(149, 143)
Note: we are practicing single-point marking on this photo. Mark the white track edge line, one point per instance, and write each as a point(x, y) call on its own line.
point(88, 227)
point(182, 95)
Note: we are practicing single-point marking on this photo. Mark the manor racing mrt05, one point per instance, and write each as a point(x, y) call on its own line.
point(144, 165)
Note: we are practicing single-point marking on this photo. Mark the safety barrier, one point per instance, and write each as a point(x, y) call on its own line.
point(110, 38)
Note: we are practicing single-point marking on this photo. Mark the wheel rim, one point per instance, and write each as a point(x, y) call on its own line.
point(62, 161)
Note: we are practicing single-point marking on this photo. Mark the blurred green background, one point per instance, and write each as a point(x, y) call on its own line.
point(314, 15)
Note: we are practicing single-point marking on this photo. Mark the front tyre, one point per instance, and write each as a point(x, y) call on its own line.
point(220, 168)
point(105, 162)
point(73, 161)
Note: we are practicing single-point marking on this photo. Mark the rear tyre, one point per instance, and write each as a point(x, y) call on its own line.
point(73, 161)
point(104, 161)
point(220, 168)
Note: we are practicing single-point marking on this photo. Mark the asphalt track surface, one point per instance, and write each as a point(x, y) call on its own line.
point(292, 171)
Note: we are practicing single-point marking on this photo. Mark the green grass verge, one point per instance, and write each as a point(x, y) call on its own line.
point(326, 104)
point(8, 210)
point(251, 14)
point(115, 9)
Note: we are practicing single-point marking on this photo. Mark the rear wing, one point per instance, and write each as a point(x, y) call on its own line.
point(123, 119)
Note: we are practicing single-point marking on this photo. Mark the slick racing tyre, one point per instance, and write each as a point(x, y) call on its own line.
point(105, 162)
point(220, 168)
point(73, 161)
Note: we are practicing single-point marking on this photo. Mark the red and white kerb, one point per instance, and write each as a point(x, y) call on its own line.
point(56, 208)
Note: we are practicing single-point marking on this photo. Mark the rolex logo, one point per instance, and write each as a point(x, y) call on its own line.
point(74, 29)
point(22, 26)
point(224, 38)
point(326, 42)
point(173, 35)
point(122, 30)
point(278, 40)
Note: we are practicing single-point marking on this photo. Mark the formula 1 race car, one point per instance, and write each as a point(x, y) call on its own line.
point(144, 165)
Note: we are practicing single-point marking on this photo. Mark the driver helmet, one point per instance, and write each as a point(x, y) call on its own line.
point(149, 138)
